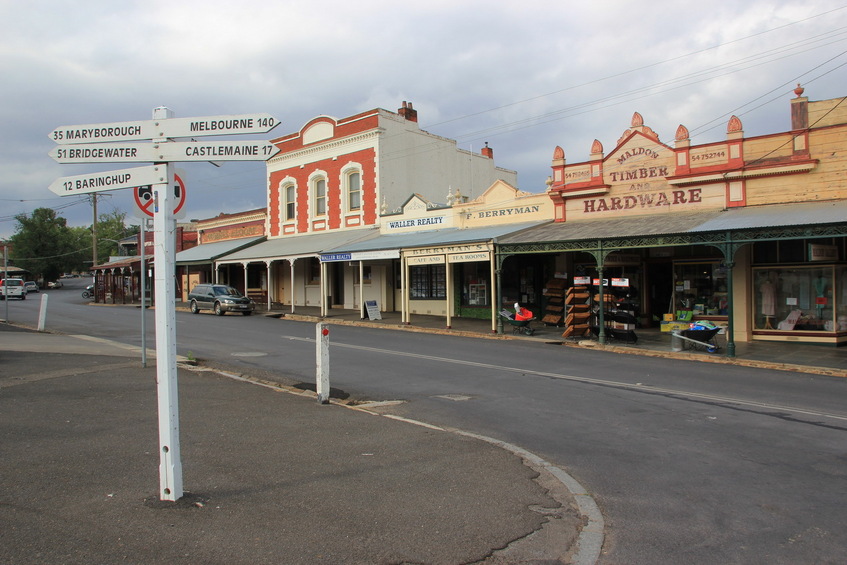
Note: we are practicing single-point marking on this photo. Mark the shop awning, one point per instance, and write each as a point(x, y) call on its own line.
point(732, 219)
point(294, 247)
point(608, 228)
point(208, 252)
point(119, 263)
point(432, 238)
point(784, 215)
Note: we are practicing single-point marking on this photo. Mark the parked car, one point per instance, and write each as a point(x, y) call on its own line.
point(219, 298)
point(12, 288)
point(31, 286)
point(55, 284)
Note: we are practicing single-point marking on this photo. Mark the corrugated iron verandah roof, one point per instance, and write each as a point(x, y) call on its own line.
point(297, 246)
point(133, 263)
point(433, 238)
point(208, 252)
point(734, 226)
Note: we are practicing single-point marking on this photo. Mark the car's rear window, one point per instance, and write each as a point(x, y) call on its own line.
point(221, 290)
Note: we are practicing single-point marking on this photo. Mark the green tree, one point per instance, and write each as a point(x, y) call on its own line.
point(111, 227)
point(44, 245)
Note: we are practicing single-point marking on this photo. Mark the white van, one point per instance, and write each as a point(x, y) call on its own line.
point(12, 288)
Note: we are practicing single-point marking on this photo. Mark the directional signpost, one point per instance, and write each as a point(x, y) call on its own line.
point(110, 180)
point(121, 142)
point(164, 151)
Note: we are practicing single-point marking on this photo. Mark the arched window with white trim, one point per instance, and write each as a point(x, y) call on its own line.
point(353, 185)
point(319, 196)
point(289, 202)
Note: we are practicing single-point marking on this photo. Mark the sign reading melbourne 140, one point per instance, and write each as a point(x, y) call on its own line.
point(164, 129)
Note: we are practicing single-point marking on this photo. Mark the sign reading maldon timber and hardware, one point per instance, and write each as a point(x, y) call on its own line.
point(636, 174)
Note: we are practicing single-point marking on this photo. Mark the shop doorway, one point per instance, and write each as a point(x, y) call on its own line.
point(337, 278)
point(659, 290)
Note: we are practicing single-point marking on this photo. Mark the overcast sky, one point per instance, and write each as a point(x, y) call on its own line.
point(524, 76)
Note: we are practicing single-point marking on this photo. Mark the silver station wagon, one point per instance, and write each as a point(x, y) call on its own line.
point(219, 298)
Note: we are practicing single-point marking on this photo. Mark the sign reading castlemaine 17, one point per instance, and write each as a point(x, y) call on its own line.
point(216, 151)
point(164, 151)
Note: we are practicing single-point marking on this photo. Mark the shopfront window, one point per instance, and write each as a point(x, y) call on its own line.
point(428, 282)
point(314, 275)
point(800, 298)
point(475, 285)
point(700, 287)
point(366, 275)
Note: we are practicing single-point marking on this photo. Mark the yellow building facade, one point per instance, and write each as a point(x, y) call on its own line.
point(748, 232)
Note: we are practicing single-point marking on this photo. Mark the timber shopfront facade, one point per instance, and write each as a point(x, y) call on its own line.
point(748, 232)
point(440, 257)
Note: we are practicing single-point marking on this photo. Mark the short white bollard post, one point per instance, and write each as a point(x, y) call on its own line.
point(42, 312)
point(322, 362)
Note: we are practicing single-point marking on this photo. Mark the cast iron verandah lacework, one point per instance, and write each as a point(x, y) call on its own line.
point(728, 242)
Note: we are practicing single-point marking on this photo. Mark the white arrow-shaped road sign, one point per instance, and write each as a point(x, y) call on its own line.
point(164, 152)
point(104, 153)
point(215, 151)
point(165, 128)
point(217, 125)
point(109, 180)
point(117, 131)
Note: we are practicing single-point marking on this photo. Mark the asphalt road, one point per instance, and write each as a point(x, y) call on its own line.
point(689, 462)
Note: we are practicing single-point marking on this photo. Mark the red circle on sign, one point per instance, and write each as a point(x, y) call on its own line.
point(143, 196)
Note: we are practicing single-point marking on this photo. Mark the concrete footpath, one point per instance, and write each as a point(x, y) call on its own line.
point(270, 476)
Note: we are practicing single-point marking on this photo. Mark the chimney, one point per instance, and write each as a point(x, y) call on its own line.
point(408, 112)
point(487, 151)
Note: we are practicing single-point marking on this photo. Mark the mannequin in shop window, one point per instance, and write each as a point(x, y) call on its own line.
point(768, 291)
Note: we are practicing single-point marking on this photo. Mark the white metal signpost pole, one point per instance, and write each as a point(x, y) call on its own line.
point(170, 461)
point(98, 143)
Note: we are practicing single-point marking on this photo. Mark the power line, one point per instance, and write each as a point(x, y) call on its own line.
point(644, 67)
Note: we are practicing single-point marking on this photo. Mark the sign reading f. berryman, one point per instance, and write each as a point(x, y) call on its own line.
point(164, 129)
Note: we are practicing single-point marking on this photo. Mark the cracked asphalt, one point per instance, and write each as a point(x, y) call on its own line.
point(270, 475)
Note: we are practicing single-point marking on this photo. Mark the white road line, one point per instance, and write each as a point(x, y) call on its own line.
point(589, 380)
